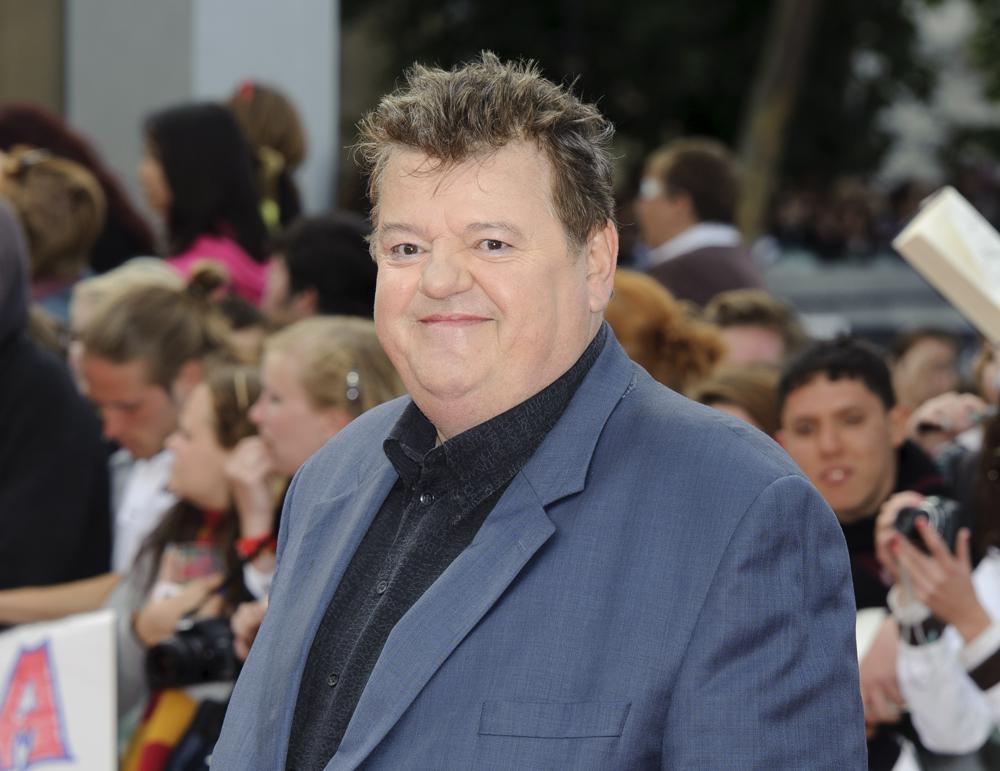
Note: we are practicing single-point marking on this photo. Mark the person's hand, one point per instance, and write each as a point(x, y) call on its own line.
point(942, 418)
point(251, 477)
point(157, 620)
point(885, 528)
point(245, 623)
point(941, 580)
point(880, 694)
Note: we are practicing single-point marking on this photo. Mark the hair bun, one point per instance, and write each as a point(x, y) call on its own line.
point(207, 278)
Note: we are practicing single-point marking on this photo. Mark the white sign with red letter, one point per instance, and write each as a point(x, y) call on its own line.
point(57, 695)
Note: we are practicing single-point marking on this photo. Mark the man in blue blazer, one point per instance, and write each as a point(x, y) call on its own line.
point(541, 559)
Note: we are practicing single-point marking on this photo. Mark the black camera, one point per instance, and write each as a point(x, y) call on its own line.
point(200, 652)
point(940, 513)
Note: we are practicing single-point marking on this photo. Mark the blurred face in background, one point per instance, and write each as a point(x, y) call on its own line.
point(135, 413)
point(845, 440)
point(289, 423)
point(927, 369)
point(154, 183)
point(752, 344)
point(198, 471)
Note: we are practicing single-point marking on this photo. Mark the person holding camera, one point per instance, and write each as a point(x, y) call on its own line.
point(194, 565)
point(948, 613)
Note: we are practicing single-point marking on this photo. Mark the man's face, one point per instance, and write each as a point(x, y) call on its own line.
point(137, 414)
point(752, 344)
point(480, 301)
point(660, 215)
point(927, 369)
point(843, 438)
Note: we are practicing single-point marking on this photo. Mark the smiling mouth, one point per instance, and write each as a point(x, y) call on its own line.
point(453, 319)
point(835, 475)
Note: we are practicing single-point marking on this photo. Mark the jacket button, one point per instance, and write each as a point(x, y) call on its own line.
point(381, 586)
point(332, 679)
point(426, 499)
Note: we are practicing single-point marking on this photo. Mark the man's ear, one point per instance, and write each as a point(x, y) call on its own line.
point(304, 303)
point(898, 416)
point(191, 373)
point(602, 259)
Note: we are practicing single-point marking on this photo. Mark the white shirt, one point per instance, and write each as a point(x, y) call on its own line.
point(699, 236)
point(140, 499)
point(950, 712)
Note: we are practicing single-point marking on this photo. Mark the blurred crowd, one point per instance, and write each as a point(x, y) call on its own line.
point(163, 383)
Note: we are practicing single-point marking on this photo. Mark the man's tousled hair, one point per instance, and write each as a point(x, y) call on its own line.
point(478, 108)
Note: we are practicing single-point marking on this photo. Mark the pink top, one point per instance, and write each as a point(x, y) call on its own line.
point(246, 276)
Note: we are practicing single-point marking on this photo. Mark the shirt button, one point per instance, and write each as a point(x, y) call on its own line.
point(332, 679)
point(381, 586)
point(426, 498)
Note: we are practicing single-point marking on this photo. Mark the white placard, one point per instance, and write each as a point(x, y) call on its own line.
point(57, 695)
point(958, 252)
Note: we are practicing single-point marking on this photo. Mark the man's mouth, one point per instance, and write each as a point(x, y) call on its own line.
point(453, 319)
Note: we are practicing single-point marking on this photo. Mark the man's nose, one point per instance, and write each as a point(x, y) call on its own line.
point(113, 424)
point(444, 273)
point(828, 438)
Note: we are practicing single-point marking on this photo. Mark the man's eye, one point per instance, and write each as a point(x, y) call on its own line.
point(492, 244)
point(404, 250)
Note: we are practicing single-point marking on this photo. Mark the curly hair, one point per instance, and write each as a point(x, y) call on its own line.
point(480, 107)
point(660, 333)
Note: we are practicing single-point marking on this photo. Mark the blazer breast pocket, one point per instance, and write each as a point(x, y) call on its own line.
point(553, 720)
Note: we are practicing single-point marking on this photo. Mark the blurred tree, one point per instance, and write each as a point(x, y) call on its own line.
point(985, 44)
point(664, 69)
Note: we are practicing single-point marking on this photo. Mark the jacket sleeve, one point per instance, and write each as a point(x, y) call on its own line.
point(953, 689)
point(770, 676)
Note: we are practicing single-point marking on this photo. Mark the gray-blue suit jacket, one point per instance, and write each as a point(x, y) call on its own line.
point(659, 587)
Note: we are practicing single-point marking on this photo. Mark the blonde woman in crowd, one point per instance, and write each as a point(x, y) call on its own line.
point(318, 375)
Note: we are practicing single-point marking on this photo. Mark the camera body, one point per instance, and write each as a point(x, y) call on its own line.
point(200, 652)
point(940, 513)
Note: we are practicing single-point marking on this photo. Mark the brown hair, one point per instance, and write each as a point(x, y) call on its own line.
point(342, 362)
point(480, 107)
point(755, 307)
point(161, 326)
point(705, 171)
point(753, 388)
point(61, 206)
point(232, 390)
point(659, 333)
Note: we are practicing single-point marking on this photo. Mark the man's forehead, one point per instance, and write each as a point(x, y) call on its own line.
point(823, 395)
point(105, 374)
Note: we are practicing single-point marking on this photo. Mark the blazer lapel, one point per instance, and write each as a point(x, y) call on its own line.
point(516, 528)
point(430, 630)
point(332, 534)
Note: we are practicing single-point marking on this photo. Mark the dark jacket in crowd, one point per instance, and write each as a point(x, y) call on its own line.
point(55, 524)
point(703, 273)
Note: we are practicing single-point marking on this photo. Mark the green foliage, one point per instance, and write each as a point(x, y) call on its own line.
point(985, 45)
point(661, 69)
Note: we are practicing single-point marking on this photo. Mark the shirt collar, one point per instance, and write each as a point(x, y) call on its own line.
point(478, 462)
point(699, 236)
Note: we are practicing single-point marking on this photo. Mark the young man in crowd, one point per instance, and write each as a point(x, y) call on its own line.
point(321, 265)
point(841, 424)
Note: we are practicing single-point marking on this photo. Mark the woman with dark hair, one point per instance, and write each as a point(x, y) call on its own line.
point(125, 233)
point(197, 173)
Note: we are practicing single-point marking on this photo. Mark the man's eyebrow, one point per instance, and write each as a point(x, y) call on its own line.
point(399, 228)
point(507, 227)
